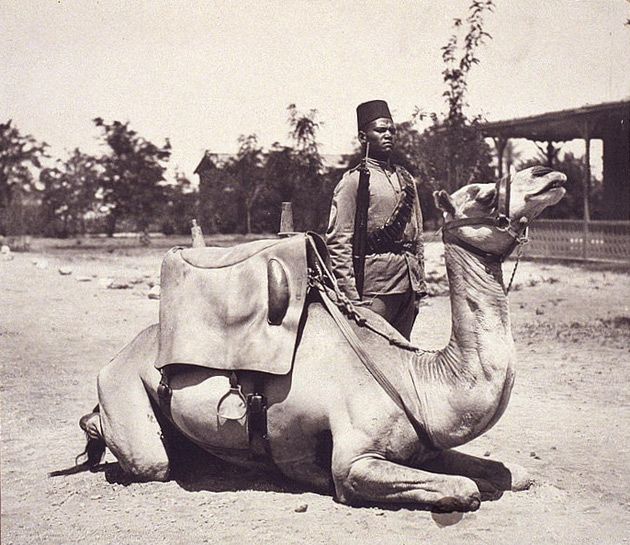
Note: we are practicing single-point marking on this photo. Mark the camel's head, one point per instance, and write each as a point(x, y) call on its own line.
point(470, 211)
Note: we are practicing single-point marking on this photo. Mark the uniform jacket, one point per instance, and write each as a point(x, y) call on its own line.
point(385, 273)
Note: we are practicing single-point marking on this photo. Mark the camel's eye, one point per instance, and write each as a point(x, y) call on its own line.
point(487, 198)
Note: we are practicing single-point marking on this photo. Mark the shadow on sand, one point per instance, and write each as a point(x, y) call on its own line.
point(194, 470)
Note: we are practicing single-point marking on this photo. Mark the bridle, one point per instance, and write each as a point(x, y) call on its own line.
point(501, 221)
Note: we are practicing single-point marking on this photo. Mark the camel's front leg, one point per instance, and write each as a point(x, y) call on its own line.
point(374, 479)
point(490, 475)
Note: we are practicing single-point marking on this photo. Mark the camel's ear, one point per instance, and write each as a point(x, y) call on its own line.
point(443, 201)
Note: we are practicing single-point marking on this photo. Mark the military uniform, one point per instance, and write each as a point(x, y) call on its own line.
point(394, 272)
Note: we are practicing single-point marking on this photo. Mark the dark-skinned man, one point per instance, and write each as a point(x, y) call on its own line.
point(392, 274)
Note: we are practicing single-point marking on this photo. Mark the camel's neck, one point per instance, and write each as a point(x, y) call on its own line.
point(480, 329)
point(472, 375)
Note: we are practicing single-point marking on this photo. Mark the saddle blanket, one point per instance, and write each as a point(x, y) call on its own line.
point(233, 308)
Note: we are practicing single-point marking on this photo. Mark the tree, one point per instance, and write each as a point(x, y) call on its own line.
point(133, 175)
point(246, 177)
point(436, 160)
point(310, 195)
point(280, 174)
point(19, 155)
point(218, 207)
point(69, 193)
point(180, 206)
point(467, 155)
point(451, 151)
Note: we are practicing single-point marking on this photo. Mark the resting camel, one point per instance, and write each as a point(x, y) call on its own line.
point(330, 424)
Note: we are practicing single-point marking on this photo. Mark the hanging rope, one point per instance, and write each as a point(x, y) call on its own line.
point(522, 240)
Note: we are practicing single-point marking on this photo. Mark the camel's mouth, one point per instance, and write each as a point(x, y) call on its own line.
point(555, 183)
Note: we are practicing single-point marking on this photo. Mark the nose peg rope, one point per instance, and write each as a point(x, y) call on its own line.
point(521, 240)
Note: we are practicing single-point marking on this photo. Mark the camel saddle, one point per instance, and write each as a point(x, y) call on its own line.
point(235, 308)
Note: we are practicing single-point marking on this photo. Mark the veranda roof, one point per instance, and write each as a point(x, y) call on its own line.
point(592, 121)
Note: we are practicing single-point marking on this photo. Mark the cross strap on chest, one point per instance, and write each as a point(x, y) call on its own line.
point(389, 236)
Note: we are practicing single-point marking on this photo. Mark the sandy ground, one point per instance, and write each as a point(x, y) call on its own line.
point(568, 421)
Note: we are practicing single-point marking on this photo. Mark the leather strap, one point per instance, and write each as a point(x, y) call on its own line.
point(368, 362)
point(448, 236)
point(165, 393)
point(359, 235)
point(475, 220)
point(503, 196)
point(257, 420)
point(501, 221)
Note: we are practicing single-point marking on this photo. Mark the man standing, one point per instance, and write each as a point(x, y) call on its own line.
point(376, 212)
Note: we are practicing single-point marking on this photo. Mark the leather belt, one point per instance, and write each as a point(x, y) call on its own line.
point(391, 247)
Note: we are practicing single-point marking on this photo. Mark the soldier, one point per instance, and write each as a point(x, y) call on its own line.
point(375, 229)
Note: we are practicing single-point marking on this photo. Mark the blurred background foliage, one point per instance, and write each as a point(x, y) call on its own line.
point(126, 187)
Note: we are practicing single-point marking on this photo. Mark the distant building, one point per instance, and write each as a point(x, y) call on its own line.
point(209, 162)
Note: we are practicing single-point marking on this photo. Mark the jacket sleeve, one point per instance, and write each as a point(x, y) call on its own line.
point(340, 233)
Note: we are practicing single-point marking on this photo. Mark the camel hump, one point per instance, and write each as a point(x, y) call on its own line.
point(233, 308)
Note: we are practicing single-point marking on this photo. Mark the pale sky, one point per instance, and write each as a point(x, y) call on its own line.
point(202, 73)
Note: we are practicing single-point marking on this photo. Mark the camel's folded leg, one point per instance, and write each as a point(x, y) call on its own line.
point(373, 479)
point(488, 474)
point(130, 427)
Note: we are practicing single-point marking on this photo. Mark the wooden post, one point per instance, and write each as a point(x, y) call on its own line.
point(197, 235)
point(286, 220)
point(586, 134)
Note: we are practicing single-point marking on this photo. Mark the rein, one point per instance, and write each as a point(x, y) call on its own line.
point(500, 221)
point(342, 310)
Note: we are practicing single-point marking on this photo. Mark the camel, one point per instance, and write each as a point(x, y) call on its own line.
point(330, 425)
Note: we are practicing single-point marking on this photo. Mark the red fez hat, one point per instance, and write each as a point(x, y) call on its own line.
point(369, 111)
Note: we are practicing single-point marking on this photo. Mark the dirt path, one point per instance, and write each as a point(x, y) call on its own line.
point(568, 422)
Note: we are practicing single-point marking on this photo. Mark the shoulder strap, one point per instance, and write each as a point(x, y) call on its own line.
point(359, 235)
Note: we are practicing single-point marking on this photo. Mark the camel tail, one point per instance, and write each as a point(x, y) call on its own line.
point(94, 449)
point(95, 446)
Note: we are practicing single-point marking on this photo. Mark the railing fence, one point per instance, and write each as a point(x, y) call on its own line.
point(576, 239)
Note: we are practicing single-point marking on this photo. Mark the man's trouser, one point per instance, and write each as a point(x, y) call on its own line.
point(399, 309)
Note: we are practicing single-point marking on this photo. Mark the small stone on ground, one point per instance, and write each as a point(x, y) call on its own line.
point(154, 292)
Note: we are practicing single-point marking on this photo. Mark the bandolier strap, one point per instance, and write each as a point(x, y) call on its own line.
point(388, 238)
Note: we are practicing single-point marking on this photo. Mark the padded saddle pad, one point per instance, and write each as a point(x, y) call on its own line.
point(233, 308)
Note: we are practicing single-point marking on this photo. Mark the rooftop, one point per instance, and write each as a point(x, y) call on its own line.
point(564, 124)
